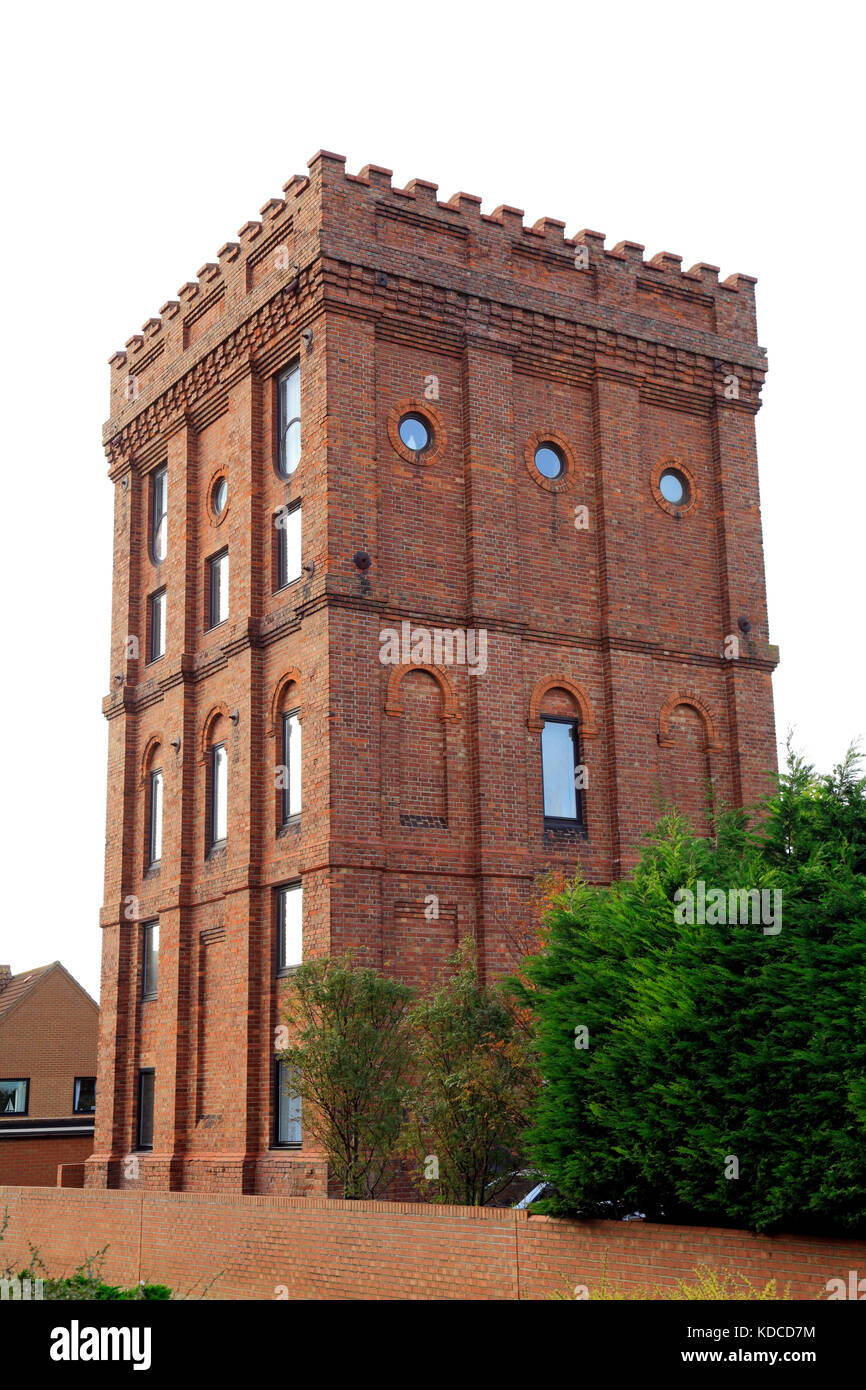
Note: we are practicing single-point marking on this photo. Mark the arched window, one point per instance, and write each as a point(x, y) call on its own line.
point(154, 828)
point(288, 779)
point(153, 786)
point(289, 409)
point(217, 781)
point(562, 772)
point(159, 515)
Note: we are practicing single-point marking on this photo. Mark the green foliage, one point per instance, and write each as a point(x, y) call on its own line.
point(707, 1286)
point(86, 1284)
point(475, 1083)
point(81, 1286)
point(350, 1053)
point(707, 1041)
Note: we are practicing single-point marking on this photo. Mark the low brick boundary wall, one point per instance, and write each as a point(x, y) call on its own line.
point(310, 1247)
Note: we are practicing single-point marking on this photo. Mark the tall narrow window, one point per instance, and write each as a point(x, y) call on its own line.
point(145, 1108)
point(157, 625)
point(219, 794)
point(288, 526)
point(290, 914)
point(159, 515)
point(150, 965)
point(559, 763)
point(218, 598)
point(289, 421)
point(155, 818)
point(287, 1107)
point(291, 765)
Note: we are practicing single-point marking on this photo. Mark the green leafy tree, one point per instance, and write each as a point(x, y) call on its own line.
point(721, 1076)
point(349, 1057)
point(475, 1080)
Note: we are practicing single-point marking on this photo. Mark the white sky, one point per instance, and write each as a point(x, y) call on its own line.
point(139, 139)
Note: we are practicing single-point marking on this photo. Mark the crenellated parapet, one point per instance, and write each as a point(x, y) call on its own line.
point(351, 237)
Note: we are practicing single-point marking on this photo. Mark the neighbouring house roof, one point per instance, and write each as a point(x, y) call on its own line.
point(19, 986)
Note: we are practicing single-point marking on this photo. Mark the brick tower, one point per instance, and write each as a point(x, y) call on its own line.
point(466, 511)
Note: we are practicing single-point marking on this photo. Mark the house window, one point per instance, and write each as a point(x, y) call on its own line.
point(14, 1096)
point(287, 1107)
point(219, 496)
point(549, 461)
point(219, 769)
point(218, 588)
point(145, 1108)
point(291, 765)
point(415, 434)
point(155, 818)
point(157, 625)
point(563, 803)
point(674, 487)
point(290, 913)
point(288, 527)
point(159, 515)
point(289, 421)
point(84, 1095)
point(150, 966)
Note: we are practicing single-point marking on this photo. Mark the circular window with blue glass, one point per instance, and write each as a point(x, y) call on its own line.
point(674, 487)
point(415, 434)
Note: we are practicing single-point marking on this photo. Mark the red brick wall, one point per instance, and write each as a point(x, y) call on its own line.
point(315, 1248)
point(624, 364)
point(33, 1162)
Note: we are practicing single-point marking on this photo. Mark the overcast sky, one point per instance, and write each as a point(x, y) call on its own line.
point(139, 139)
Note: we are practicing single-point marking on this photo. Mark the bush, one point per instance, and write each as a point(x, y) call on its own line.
point(709, 1285)
point(712, 1048)
point(475, 1083)
point(85, 1284)
point(349, 1052)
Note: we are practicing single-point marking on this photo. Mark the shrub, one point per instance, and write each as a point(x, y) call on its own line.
point(350, 1054)
point(711, 1043)
point(474, 1086)
point(709, 1285)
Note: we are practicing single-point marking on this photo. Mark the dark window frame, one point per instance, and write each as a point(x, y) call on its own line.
point(213, 790)
point(154, 860)
point(76, 1085)
point(15, 1080)
point(160, 476)
point(152, 653)
point(212, 590)
point(417, 414)
point(149, 990)
point(295, 885)
point(140, 1142)
point(279, 1143)
point(288, 815)
point(284, 425)
point(579, 819)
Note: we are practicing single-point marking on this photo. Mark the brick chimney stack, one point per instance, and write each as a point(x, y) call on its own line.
point(5, 976)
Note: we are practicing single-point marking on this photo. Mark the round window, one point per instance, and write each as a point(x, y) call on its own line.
point(674, 487)
point(549, 461)
point(415, 433)
point(219, 496)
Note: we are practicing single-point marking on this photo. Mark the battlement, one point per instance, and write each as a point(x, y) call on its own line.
point(410, 232)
